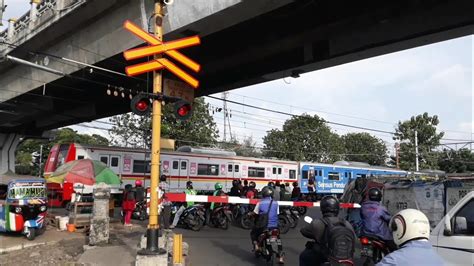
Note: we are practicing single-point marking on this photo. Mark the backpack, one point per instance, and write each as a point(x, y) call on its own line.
point(340, 240)
point(262, 219)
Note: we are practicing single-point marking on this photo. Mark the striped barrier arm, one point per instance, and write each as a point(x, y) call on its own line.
point(182, 197)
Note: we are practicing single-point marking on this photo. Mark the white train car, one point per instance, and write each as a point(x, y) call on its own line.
point(203, 166)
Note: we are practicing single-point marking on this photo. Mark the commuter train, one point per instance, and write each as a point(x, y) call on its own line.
point(205, 166)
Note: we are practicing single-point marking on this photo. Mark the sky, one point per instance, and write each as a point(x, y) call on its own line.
point(373, 93)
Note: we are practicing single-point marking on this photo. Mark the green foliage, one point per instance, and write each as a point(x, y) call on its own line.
point(428, 140)
point(246, 148)
point(304, 138)
point(460, 161)
point(363, 147)
point(135, 131)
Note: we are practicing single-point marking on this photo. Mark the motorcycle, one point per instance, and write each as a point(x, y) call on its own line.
point(140, 211)
point(292, 214)
point(372, 249)
point(238, 214)
point(23, 207)
point(270, 246)
point(221, 217)
point(192, 217)
point(284, 223)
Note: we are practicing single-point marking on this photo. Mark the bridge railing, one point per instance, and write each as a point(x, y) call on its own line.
point(35, 20)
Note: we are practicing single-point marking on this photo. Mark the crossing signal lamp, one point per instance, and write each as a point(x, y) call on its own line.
point(140, 105)
point(182, 110)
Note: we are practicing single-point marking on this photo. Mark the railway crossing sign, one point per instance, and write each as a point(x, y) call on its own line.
point(157, 47)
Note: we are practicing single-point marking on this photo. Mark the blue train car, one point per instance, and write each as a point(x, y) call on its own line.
point(332, 178)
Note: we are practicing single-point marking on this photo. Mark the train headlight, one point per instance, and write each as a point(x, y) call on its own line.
point(43, 208)
point(18, 209)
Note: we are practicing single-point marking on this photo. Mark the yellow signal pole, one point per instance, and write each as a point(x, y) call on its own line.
point(153, 225)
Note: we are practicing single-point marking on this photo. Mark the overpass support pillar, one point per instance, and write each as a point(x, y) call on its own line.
point(8, 144)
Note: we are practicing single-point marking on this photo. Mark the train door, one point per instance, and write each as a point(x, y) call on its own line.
point(233, 170)
point(174, 174)
point(277, 172)
point(104, 159)
point(115, 164)
point(183, 173)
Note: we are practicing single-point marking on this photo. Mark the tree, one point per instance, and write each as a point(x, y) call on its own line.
point(363, 147)
point(135, 131)
point(245, 148)
point(303, 138)
point(460, 161)
point(30, 147)
point(428, 140)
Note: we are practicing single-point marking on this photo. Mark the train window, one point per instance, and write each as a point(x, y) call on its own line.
point(333, 176)
point(292, 174)
point(208, 169)
point(80, 157)
point(236, 168)
point(105, 160)
point(175, 164)
point(320, 172)
point(229, 168)
point(304, 174)
point(140, 166)
point(350, 175)
point(279, 170)
point(256, 172)
point(114, 161)
point(274, 170)
point(184, 165)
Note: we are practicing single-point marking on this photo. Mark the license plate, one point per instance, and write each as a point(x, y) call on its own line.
point(366, 251)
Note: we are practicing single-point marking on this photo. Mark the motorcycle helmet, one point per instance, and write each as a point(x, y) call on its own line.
point(252, 184)
point(189, 184)
point(329, 204)
point(163, 178)
point(138, 183)
point(375, 194)
point(267, 192)
point(295, 184)
point(409, 224)
point(235, 182)
point(271, 184)
point(218, 186)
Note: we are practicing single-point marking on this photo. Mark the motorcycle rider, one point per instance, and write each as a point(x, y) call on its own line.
point(217, 192)
point(316, 252)
point(251, 191)
point(245, 188)
point(375, 219)
point(277, 190)
point(139, 191)
point(189, 191)
point(235, 190)
point(267, 219)
point(411, 232)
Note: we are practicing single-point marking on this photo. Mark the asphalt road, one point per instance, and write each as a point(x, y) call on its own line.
point(213, 246)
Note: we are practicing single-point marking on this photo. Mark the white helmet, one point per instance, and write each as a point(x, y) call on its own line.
point(409, 224)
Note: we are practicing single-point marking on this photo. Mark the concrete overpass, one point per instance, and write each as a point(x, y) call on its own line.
point(244, 42)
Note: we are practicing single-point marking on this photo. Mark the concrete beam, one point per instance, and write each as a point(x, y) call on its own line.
point(8, 144)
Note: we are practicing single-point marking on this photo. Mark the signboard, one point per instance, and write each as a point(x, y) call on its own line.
point(179, 89)
point(127, 163)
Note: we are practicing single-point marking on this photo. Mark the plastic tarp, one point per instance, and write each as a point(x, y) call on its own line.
point(427, 197)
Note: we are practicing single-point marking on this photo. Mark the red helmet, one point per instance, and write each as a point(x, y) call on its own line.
point(138, 183)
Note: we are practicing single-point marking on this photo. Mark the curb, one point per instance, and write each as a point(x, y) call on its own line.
point(23, 246)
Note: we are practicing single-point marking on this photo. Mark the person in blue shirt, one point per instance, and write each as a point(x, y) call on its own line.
point(375, 219)
point(266, 206)
point(411, 232)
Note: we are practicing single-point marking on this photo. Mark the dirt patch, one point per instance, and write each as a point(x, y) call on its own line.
point(64, 252)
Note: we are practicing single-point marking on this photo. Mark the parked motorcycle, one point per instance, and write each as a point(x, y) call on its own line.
point(192, 217)
point(270, 246)
point(372, 250)
point(292, 214)
point(221, 217)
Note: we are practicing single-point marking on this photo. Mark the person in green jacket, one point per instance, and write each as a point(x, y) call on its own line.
point(218, 192)
point(189, 191)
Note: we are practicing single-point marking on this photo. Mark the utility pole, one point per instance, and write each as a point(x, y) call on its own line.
point(397, 154)
point(153, 226)
point(416, 151)
point(40, 160)
point(224, 97)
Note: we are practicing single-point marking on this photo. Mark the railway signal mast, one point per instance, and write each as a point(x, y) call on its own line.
point(140, 104)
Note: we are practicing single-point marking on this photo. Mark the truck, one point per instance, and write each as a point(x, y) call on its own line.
point(453, 237)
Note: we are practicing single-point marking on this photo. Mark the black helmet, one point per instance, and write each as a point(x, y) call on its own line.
point(163, 178)
point(189, 184)
point(375, 194)
point(329, 204)
point(267, 192)
point(235, 182)
point(271, 184)
point(252, 184)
